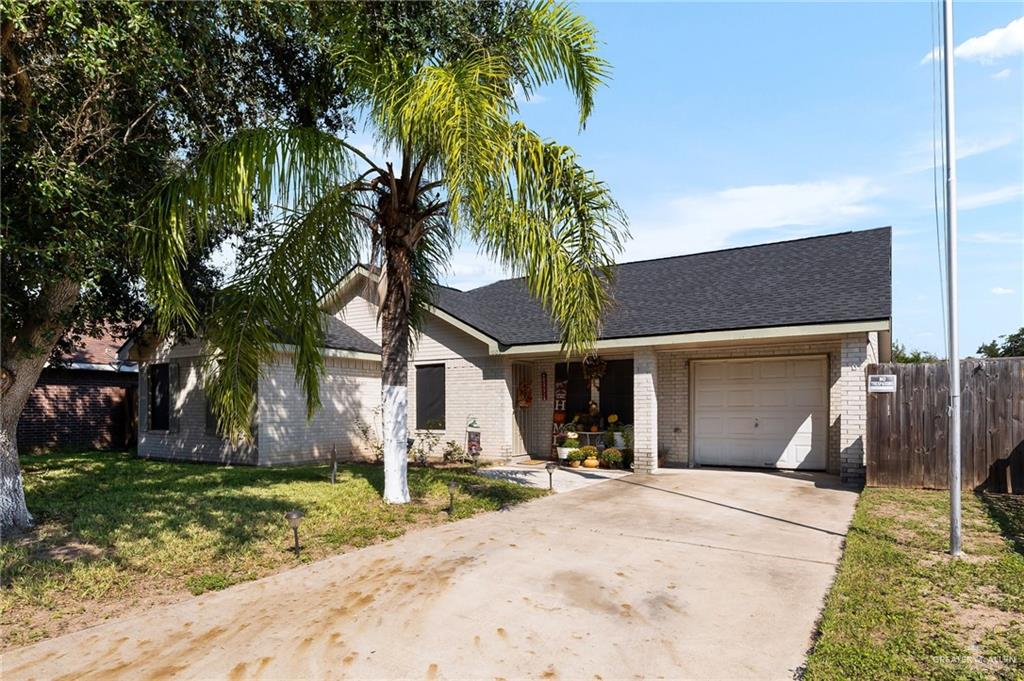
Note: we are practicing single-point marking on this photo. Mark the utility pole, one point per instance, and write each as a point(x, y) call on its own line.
point(951, 274)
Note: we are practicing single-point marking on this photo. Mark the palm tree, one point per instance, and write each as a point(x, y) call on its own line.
point(464, 169)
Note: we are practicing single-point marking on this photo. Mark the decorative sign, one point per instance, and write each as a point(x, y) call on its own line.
point(473, 442)
point(525, 398)
point(472, 437)
point(882, 383)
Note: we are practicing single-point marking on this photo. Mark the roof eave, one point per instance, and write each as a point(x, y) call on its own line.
point(682, 339)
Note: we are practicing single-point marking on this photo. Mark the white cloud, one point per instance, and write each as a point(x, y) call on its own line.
point(1001, 75)
point(996, 44)
point(991, 198)
point(921, 157)
point(992, 238)
point(470, 268)
point(707, 221)
point(533, 98)
point(975, 147)
point(1000, 291)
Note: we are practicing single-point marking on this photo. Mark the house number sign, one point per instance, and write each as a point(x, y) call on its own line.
point(881, 383)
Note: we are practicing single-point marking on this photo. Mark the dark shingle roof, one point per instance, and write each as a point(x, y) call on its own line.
point(341, 336)
point(834, 278)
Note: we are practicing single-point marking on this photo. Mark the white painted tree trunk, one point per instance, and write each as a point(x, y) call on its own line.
point(25, 351)
point(14, 513)
point(395, 400)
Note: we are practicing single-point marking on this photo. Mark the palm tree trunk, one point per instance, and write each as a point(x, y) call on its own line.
point(395, 371)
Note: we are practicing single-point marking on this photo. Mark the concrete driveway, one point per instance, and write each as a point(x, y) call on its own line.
point(687, 574)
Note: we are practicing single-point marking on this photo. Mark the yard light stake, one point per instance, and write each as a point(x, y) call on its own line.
point(551, 466)
point(452, 486)
point(294, 518)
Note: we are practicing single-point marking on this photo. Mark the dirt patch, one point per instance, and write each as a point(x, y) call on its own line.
point(70, 551)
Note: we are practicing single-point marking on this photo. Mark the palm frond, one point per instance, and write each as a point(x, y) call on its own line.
point(274, 300)
point(550, 220)
point(430, 260)
point(561, 44)
point(235, 180)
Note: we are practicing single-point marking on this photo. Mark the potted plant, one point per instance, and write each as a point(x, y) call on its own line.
point(590, 456)
point(611, 458)
point(576, 458)
point(569, 443)
point(615, 437)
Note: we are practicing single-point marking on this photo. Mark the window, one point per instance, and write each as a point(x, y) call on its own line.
point(430, 397)
point(578, 395)
point(159, 397)
point(211, 420)
point(617, 390)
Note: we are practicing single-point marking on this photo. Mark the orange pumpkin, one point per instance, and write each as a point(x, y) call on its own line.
point(559, 417)
point(593, 429)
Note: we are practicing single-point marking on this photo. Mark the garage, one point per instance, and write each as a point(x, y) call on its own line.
point(770, 413)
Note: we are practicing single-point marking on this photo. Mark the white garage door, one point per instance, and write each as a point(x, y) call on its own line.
point(770, 413)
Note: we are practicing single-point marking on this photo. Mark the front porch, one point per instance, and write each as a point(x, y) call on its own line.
point(792, 403)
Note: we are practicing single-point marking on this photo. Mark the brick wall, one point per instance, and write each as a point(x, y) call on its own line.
point(349, 393)
point(645, 410)
point(78, 409)
point(857, 353)
point(475, 387)
point(188, 438)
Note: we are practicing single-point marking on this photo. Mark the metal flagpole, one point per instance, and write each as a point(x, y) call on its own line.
point(951, 275)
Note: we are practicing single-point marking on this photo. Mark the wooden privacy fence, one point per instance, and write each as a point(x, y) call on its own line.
point(908, 431)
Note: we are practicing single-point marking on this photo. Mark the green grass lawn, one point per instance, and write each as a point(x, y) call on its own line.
point(901, 608)
point(117, 533)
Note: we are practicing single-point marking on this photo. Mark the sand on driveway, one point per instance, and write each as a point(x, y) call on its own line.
point(692, 573)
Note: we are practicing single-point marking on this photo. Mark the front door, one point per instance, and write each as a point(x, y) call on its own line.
point(521, 376)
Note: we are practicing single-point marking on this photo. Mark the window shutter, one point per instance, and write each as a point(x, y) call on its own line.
point(430, 397)
point(173, 387)
point(211, 421)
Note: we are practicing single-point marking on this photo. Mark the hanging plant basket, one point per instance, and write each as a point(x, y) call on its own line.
point(594, 368)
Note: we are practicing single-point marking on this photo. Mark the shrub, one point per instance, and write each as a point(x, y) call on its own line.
point(368, 435)
point(571, 443)
point(455, 453)
point(422, 446)
point(589, 451)
point(611, 458)
point(577, 455)
point(627, 459)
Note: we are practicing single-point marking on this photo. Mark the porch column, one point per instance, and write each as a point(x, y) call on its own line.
point(852, 408)
point(645, 411)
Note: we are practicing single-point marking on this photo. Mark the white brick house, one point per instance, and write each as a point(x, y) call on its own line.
point(745, 357)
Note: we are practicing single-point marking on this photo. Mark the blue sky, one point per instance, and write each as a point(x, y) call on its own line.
point(731, 124)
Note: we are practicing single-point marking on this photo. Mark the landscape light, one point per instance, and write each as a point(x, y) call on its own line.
point(452, 486)
point(294, 519)
point(550, 466)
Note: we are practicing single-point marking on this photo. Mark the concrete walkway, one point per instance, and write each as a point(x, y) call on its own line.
point(687, 574)
point(563, 479)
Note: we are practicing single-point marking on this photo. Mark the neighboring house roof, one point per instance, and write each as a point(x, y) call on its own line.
point(341, 336)
point(97, 354)
point(817, 280)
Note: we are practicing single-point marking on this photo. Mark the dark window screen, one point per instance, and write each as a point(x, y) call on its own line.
point(430, 397)
point(617, 390)
point(159, 397)
point(578, 393)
